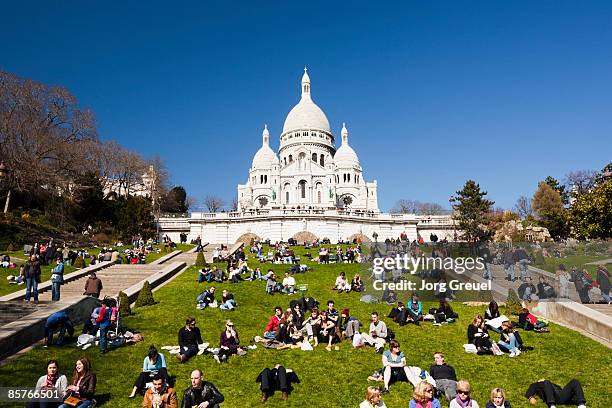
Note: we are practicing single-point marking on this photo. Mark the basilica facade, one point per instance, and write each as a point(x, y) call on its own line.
point(308, 171)
point(307, 190)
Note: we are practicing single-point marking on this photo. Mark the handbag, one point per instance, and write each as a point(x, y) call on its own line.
point(72, 401)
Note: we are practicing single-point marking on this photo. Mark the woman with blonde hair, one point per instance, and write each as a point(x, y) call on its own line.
point(463, 400)
point(372, 399)
point(498, 399)
point(423, 396)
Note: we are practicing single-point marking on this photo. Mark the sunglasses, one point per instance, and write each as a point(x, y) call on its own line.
point(230, 325)
point(463, 392)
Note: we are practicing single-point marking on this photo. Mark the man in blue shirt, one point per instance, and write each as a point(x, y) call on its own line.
point(58, 320)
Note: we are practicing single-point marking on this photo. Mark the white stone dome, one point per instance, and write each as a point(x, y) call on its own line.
point(345, 156)
point(265, 156)
point(306, 114)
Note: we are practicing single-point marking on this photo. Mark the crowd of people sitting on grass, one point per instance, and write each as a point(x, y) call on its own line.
point(303, 324)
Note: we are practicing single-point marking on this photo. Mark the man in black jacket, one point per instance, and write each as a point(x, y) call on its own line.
point(189, 337)
point(31, 272)
point(445, 376)
point(552, 394)
point(201, 394)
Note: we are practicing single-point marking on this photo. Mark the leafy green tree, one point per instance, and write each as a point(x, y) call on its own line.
point(555, 185)
point(175, 201)
point(89, 197)
point(470, 211)
point(550, 212)
point(591, 213)
point(135, 217)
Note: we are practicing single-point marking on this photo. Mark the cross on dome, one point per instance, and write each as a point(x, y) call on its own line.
point(344, 133)
point(305, 83)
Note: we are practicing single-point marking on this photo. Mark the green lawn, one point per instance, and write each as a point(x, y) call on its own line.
point(329, 379)
point(580, 261)
point(6, 288)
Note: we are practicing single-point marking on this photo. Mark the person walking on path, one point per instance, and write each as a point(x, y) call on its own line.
point(57, 278)
point(93, 286)
point(31, 272)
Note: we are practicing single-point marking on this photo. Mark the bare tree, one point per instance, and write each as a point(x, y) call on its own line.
point(191, 202)
point(580, 181)
point(523, 207)
point(44, 135)
point(405, 207)
point(213, 203)
point(417, 207)
point(235, 204)
point(430, 209)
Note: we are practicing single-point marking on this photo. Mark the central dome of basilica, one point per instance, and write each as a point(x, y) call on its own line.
point(306, 114)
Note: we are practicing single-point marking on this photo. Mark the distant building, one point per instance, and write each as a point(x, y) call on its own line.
point(142, 187)
point(309, 171)
point(310, 190)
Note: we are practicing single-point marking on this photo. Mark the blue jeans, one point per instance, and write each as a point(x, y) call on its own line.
point(605, 297)
point(487, 271)
point(523, 268)
point(55, 290)
point(229, 305)
point(31, 288)
point(512, 346)
point(103, 338)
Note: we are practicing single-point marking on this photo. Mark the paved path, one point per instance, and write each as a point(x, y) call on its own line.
point(602, 262)
point(114, 279)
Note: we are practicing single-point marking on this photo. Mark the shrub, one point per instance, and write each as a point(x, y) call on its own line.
point(10, 248)
point(145, 296)
point(484, 296)
point(513, 304)
point(124, 305)
point(200, 260)
point(79, 262)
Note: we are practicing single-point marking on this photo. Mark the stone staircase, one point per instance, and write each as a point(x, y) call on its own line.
point(114, 279)
point(15, 310)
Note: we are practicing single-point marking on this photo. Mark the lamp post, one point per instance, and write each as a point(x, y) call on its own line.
point(4, 173)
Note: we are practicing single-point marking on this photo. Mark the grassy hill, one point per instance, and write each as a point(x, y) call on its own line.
point(328, 378)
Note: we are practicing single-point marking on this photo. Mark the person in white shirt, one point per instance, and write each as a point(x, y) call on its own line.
point(215, 255)
point(372, 399)
point(377, 335)
point(342, 284)
point(288, 284)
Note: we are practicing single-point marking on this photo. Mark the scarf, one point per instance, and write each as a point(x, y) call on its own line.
point(427, 405)
point(50, 381)
point(463, 404)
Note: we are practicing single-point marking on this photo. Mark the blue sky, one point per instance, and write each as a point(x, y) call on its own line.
point(433, 93)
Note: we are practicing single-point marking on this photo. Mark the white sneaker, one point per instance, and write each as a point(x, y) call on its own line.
point(512, 354)
point(581, 406)
point(517, 352)
point(216, 357)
